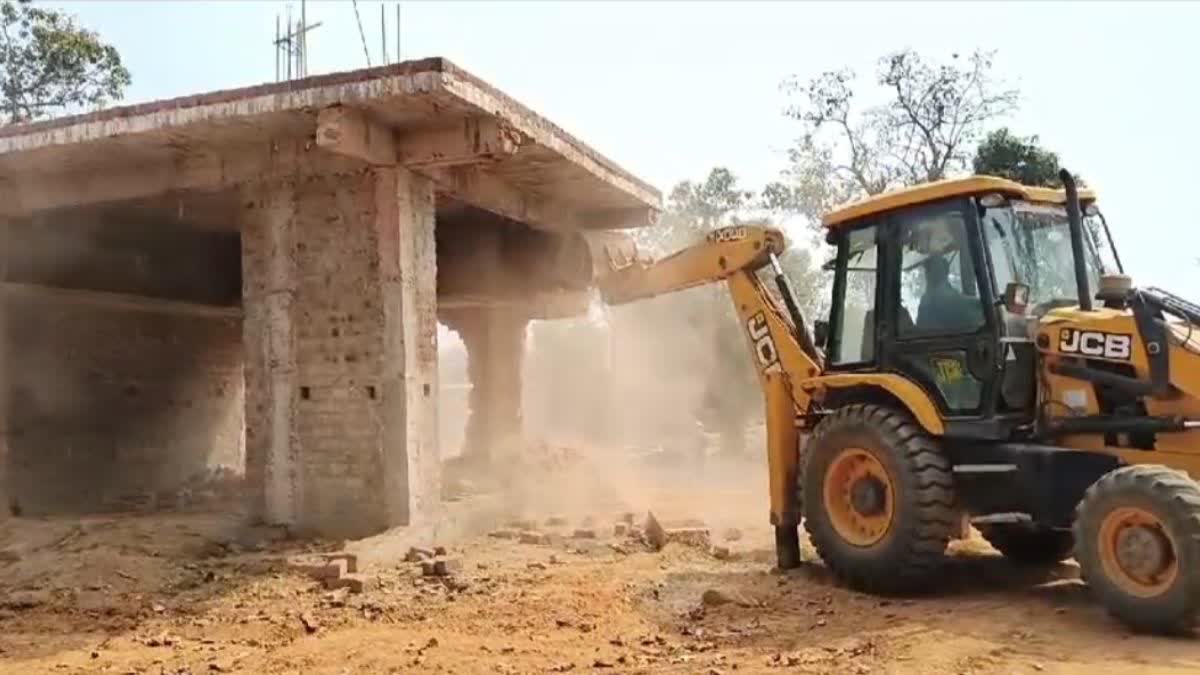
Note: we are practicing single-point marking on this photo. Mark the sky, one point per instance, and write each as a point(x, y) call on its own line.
point(671, 89)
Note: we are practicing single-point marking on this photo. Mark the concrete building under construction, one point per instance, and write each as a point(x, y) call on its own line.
point(255, 277)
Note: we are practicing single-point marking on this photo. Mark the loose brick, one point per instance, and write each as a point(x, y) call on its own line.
point(620, 529)
point(584, 533)
point(350, 560)
point(689, 536)
point(318, 569)
point(441, 567)
point(504, 534)
point(658, 536)
point(356, 583)
point(534, 538)
point(447, 566)
point(416, 554)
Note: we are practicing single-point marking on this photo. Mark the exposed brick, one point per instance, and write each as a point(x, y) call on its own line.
point(112, 406)
point(341, 329)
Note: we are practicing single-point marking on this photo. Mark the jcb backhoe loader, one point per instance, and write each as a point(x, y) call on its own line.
point(985, 361)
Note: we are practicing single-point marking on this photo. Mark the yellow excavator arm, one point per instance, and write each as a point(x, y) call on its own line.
point(782, 350)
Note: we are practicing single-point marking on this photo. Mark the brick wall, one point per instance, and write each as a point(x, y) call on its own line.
point(117, 399)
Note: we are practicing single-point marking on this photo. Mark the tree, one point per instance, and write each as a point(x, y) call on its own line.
point(931, 115)
point(1017, 158)
point(49, 64)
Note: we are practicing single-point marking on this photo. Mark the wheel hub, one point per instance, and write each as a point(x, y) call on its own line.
point(867, 496)
point(1136, 552)
point(858, 496)
point(1142, 551)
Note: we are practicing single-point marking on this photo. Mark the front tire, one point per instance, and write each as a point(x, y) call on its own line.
point(879, 501)
point(1137, 533)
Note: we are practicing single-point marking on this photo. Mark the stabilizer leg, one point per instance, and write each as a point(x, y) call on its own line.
point(787, 546)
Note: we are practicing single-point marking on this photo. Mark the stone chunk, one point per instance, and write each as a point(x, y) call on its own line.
point(584, 533)
point(504, 533)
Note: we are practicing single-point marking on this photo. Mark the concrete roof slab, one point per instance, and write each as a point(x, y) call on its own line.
point(411, 97)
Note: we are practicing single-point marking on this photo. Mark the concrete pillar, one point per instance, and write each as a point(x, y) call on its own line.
point(341, 352)
point(495, 342)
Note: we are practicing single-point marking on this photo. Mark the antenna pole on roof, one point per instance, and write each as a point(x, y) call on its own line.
point(398, 59)
point(383, 34)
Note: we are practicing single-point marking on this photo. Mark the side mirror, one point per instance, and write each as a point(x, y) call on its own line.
point(821, 333)
point(1016, 297)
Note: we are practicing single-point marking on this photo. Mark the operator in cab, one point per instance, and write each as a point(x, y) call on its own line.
point(943, 308)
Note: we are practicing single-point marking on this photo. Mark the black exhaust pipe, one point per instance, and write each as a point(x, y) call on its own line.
point(1075, 221)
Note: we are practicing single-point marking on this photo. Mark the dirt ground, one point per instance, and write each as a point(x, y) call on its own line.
point(198, 593)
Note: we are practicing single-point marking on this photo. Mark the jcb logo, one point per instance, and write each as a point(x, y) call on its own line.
point(1115, 346)
point(726, 234)
point(764, 346)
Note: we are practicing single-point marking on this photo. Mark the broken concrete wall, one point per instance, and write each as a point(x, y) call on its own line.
point(118, 397)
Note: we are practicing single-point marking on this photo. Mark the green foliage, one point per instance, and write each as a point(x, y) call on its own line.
point(49, 64)
point(930, 116)
point(1017, 158)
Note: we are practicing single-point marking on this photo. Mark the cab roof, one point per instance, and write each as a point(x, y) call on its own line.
point(942, 189)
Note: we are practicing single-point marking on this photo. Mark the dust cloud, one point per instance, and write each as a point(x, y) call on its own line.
point(629, 409)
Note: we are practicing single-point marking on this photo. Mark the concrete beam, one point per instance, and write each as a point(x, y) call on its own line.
point(118, 301)
point(265, 163)
point(535, 306)
point(475, 140)
point(348, 132)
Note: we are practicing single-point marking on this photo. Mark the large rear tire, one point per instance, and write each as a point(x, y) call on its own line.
point(1137, 533)
point(879, 501)
point(1026, 546)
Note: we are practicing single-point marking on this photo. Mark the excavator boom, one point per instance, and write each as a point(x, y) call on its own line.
point(723, 252)
point(782, 349)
